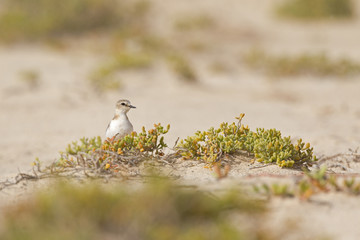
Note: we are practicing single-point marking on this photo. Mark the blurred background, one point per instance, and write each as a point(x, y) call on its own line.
point(293, 65)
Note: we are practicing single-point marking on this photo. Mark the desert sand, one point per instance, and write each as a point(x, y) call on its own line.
point(41, 121)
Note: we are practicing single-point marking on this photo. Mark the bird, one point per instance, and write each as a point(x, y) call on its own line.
point(120, 125)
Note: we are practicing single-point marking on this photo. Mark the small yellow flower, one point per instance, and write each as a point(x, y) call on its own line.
point(107, 166)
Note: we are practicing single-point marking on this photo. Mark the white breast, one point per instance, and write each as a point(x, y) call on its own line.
point(120, 126)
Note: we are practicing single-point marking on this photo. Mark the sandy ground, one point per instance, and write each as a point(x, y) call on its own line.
point(325, 112)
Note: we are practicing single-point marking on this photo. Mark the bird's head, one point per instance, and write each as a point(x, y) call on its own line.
point(123, 106)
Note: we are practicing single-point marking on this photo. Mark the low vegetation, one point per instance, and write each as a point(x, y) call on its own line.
point(160, 210)
point(93, 157)
point(182, 68)
point(312, 183)
point(306, 64)
point(106, 77)
point(41, 19)
point(30, 78)
point(149, 50)
point(219, 67)
point(267, 146)
point(316, 9)
point(197, 22)
point(96, 158)
point(123, 21)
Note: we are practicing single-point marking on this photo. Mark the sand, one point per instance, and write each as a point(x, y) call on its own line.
point(41, 121)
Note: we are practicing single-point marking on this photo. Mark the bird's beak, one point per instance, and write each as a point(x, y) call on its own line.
point(131, 106)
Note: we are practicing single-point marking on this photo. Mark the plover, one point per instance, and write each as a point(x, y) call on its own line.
point(120, 124)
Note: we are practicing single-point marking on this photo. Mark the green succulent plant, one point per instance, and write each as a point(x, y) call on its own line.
point(318, 64)
point(113, 155)
point(311, 183)
point(159, 210)
point(120, 155)
point(42, 19)
point(279, 190)
point(86, 145)
point(316, 9)
point(146, 141)
point(267, 146)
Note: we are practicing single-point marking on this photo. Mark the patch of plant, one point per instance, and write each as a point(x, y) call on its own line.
point(105, 76)
point(182, 67)
point(219, 67)
point(312, 183)
point(316, 9)
point(31, 78)
point(305, 64)
point(159, 210)
point(42, 19)
point(267, 146)
point(104, 79)
point(275, 189)
point(148, 50)
point(93, 157)
point(197, 22)
point(127, 60)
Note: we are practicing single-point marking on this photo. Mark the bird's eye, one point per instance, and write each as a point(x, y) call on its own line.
point(123, 104)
